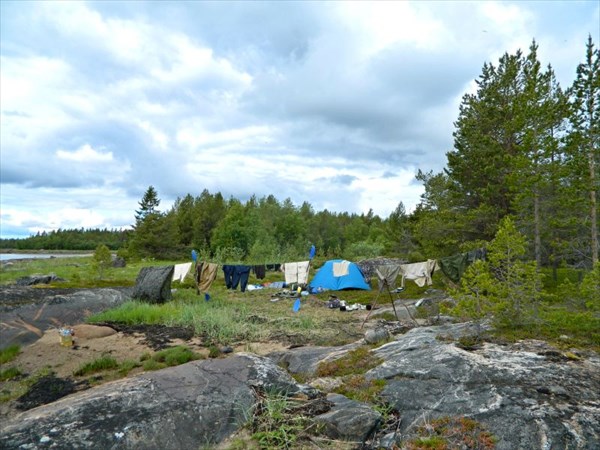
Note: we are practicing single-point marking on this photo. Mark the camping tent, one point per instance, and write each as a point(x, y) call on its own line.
point(348, 276)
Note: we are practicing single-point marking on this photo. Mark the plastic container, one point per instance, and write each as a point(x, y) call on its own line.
point(66, 337)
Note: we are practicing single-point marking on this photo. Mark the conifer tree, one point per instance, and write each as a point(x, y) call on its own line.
point(584, 141)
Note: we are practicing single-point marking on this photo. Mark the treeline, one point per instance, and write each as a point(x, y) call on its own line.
point(79, 239)
point(259, 230)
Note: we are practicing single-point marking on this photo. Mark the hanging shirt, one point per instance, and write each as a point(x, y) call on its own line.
point(207, 276)
point(386, 275)
point(296, 272)
point(420, 272)
point(181, 271)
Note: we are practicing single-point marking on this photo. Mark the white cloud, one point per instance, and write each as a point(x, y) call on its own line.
point(311, 101)
point(85, 154)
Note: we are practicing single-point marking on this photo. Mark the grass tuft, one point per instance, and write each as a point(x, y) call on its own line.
point(173, 356)
point(9, 353)
point(98, 365)
point(10, 373)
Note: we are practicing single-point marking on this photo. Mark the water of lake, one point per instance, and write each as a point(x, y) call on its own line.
point(9, 256)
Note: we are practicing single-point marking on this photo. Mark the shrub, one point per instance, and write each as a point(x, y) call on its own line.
point(102, 260)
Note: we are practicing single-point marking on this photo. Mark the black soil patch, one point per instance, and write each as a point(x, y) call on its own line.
point(157, 337)
point(48, 389)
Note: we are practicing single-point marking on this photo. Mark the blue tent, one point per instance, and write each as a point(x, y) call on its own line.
point(325, 278)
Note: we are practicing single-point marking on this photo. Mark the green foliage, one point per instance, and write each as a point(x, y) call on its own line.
point(474, 298)
point(9, 353)
point(102, 260)
point(148, 205)
point(505, 287)
point(75, 239)
point(363, 250)
point(590, 288)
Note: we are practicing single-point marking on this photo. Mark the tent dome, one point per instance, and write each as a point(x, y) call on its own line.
point(348, 276)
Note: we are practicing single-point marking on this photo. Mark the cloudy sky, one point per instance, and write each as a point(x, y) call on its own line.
point(334, 103)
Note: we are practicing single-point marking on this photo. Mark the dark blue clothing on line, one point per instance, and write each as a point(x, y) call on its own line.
point(228, 271)
point(240, 275)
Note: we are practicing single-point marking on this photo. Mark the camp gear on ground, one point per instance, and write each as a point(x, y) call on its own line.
point(325, 278)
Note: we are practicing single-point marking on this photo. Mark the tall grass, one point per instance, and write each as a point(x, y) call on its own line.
point(215, 321)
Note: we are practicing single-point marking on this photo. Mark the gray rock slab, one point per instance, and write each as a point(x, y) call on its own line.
point(306, 359)
point(191, 406)
point(25, 322)
point(349, 420)
point(153, 284)
point(526, 399)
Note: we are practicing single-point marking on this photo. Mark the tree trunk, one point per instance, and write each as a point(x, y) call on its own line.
point(537, 237)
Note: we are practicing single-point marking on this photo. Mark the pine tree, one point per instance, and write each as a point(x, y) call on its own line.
point(102, 260)
point(148, 205)
point(507, 288)
point(584, 142)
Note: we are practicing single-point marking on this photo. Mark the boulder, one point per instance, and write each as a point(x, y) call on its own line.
point(118, 261)
point(153, 284)
point(377, 335)
point(195, 405)
point(31, 280)
point(23, 323)
point(349, 420)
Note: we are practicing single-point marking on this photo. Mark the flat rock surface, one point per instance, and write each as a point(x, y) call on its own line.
point(185, 407)
point(528, 395)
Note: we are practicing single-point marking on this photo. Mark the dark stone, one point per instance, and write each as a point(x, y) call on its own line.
point(195, 405)
point(118, 261)
point(153, 284)
point(31, 280)
point(349, 420)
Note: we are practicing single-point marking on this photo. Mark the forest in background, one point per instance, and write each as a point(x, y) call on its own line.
point(524, 147)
